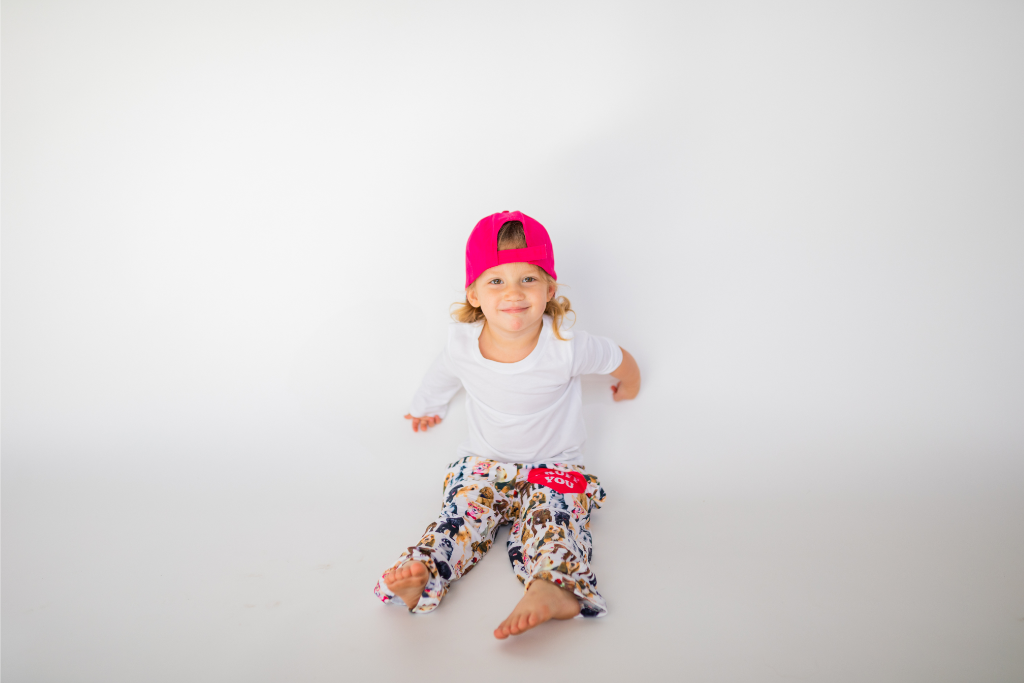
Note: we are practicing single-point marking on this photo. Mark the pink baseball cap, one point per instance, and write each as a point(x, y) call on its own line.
point(482, 248)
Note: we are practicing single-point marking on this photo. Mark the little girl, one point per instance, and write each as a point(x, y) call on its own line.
point(522, 463)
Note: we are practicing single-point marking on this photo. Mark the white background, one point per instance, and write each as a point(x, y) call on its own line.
point(231, 234)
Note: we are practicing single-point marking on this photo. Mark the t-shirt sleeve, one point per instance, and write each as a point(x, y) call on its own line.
point(593, 355)
point(436, 390)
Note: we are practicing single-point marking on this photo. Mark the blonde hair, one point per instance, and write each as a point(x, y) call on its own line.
point(511, 236)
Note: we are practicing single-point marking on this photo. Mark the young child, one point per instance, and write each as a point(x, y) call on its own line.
point(522, 463)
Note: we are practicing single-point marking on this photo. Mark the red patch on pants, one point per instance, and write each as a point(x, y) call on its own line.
point(561, 481)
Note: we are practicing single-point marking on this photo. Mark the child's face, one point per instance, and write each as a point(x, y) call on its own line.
point(512, 296)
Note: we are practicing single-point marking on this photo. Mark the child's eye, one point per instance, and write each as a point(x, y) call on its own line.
point(529, 278)
point(495, 281)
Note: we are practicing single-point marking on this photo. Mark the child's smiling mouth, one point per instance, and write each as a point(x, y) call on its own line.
point(514, 310)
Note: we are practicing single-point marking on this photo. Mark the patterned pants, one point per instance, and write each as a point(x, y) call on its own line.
point(548, 507)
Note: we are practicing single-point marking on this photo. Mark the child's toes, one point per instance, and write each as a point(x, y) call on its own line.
point(502, 631)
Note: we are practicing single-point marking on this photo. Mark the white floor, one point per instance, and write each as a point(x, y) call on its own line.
point(263, 572)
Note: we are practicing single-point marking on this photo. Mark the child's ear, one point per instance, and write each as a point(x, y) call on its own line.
point(471, 296)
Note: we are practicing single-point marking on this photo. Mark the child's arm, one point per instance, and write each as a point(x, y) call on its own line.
point(430, 404)
point(597, 355)
point(628, 374)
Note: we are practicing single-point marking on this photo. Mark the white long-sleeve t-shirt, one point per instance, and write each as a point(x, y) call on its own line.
point(528, 411)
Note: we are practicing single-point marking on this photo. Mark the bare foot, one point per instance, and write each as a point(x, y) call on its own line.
point(407, 582)
point(542, 602)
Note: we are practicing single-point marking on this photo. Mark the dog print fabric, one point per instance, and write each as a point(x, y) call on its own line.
point(548, 506)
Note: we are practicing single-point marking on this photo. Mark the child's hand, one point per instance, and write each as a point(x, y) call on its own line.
point(423, 423)
point(628, 374)
point(621, 393)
